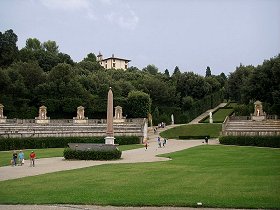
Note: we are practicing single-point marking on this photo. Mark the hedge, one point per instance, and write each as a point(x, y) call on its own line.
point(260, 141)
point(70, 154)
point(58, 142)
point(193, 137)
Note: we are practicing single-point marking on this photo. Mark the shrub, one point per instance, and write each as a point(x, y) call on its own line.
point(70, 154)
point(58, 142)
point(193, 137)
point(260, 141)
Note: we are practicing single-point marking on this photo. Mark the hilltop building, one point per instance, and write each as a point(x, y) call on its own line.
point(113, 62)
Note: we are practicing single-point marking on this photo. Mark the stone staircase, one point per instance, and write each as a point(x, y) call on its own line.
point(13, 130)
point(251, 128)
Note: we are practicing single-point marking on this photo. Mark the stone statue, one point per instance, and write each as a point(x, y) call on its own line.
point(42, 117)
point(2, 117)
point(258, 114)
point(118, 115)
point(210, 117)
point(80, 119)
point(172, 119)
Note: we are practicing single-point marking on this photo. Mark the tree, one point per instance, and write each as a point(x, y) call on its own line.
point(208, 72)
point(138, 104)
point(90, 57)
point(166, 73)
point(176, 71)
point(33, 44)
point(8, 48)
point(51, 46)
point(152, 69)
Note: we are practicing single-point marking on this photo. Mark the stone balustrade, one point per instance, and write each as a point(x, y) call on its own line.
point(251, 128)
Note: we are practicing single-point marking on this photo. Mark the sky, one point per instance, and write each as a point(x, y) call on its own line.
point(190, 34)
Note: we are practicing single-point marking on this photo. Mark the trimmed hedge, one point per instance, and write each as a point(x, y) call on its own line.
point(260, 141)
point(193, 137)
point(58, 142)
point(70, 154)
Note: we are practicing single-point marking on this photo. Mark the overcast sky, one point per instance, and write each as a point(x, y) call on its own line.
point(190, 34)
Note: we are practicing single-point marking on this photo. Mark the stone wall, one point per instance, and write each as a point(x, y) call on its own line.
point(66, 128)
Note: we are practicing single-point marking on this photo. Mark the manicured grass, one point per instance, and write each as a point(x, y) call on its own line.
point(217, 176)
point(211, 130)
point(219, 116)
point(6, 156)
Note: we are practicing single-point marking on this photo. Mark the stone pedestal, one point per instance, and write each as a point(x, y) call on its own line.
point(3, 120)
point(79, 121)
point(42, 121)
point(258, 118)
point(109, 140)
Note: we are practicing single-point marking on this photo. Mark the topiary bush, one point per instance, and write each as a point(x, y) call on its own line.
point(70, 154)
point(260, 141)
point(58, 142)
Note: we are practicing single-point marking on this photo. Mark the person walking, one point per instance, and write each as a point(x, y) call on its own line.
point(164, 142)
point(146, 145)
point(21, 157)
point(159, 143)
point(32, 157)
point(206, 139)
point(15, 155)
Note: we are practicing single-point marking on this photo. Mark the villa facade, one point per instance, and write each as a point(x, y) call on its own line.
point(113, 62)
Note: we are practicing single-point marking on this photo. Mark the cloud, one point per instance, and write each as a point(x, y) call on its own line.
point(115, 12)
point(71, 6)
point(124, 17)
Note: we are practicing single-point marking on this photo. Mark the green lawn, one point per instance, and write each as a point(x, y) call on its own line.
point(212, 130)
point(219, 116)
point(6, 156)
point(217, 176)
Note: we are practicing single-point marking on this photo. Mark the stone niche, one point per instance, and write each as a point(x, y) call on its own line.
point(2, 117)
point(42, 118)
point(258, 114)
point(118, 115)
point(80, 119)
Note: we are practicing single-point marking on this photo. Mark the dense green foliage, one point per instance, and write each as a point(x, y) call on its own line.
point(260, 141)
point(193, 131)
point(70, 154)
point(248, 84)
point(58, 142)
point(217, 176)
point(39, 74)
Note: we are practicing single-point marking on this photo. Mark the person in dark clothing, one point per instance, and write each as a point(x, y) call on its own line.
point(206, 139)
point(15, 158)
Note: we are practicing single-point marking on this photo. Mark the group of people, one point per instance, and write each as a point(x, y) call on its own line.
point(163, 142)
point(18, 158)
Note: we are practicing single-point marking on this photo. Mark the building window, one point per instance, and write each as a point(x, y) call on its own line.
point(106, 66)
point(105, 61)
point(125, 67)
point(114, 60)
point(114, 65)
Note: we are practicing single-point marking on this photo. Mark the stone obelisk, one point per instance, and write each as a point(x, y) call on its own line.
point(109, 139)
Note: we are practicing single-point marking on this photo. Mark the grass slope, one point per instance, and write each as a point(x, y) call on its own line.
point(219, 116)
point(6, 156)
point(217, 176)
point(212, 130)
